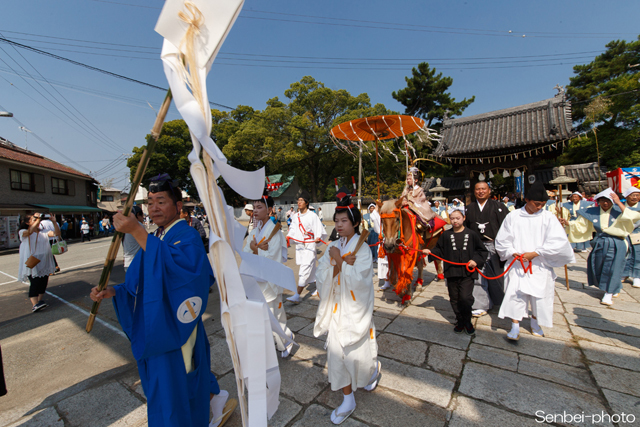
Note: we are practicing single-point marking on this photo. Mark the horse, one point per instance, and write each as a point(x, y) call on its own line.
point(404, 240)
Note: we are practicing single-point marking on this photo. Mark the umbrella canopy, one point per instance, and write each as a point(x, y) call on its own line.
point(377, 127)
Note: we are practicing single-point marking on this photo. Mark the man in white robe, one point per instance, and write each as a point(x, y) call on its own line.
point(535, 234)
point(306, 231)
point(263, 241)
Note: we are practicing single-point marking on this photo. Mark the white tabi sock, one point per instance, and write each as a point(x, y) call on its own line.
point(535, 328)
point(636, 282)
point(344, 410)
point(217, 406)
point(515, 331)
point(294, 298)
point(606, 299)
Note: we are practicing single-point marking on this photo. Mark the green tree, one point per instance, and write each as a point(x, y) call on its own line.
point(293, 137)
point(169, 156)
point(611, 76)
point(427, 96)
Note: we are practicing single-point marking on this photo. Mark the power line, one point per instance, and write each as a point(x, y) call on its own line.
point(46, 143)
point(403, 26)
point(79, 129)
point(100, 70)
point(89, 124)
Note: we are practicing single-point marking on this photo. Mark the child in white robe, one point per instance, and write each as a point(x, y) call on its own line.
point(535, 234)
point(345, 312)
point(261, 242)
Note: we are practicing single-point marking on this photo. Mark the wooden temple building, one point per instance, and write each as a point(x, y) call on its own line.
point(520, 138)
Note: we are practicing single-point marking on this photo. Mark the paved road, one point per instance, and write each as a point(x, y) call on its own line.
point(587, 365)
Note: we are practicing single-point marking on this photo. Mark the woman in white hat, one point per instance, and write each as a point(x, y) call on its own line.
point(612, 224)
point(632, 267)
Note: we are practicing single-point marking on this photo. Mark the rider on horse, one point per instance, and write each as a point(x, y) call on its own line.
point(413, 197)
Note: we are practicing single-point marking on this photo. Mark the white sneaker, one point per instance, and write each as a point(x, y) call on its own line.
point(386, 285)
point(636, 282)
point(295, 298)
point(478, 313)
point(606, 299)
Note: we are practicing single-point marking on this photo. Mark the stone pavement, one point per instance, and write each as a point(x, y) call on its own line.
point(587, 365)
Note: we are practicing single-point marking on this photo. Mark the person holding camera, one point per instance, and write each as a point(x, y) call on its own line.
point(36, 258)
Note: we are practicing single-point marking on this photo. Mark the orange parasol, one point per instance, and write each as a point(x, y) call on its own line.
point(377, 127)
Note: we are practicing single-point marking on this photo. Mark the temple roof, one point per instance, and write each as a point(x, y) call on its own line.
point(507, 133)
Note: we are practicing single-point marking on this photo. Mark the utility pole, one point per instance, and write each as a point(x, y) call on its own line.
point(25, 130)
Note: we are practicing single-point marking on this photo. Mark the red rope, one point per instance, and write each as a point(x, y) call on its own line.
point(305, 241)
point(527, 269)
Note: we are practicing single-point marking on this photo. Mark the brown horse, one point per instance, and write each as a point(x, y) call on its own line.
point(403, 243)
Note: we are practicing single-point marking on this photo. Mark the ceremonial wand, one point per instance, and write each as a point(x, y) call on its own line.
point(117, 237)
point(562, 179)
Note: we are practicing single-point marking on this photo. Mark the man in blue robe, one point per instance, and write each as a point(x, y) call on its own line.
point(160, 308)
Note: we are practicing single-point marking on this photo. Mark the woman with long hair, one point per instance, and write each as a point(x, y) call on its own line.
point(34, 242)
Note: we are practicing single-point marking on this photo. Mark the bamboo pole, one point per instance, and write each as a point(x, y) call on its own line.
point(117, 237)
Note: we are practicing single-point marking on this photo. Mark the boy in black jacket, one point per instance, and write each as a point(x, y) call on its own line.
point(460, 245)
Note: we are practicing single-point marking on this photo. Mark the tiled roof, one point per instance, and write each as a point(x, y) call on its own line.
point(507, 132)
point(11, 151)
point(585, 173)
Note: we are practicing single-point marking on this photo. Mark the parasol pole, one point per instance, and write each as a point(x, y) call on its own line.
point(377, 168)
point(360, 173)
point(117, 237)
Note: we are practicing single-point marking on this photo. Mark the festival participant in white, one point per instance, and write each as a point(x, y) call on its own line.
point(535, 234)
point(612, 225)
point(345, 312)
point(306, 231)
point(265, 241)
point(485, 217)
point(632, 267)
point(579, 241)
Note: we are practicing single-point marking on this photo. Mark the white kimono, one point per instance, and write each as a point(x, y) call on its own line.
point(306, 228)
point(345, 312)
point(541, 233)
point(272, 292)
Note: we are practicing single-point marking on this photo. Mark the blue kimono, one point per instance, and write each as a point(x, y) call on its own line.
point(372, 239)
point(160, 307)
point(583, 204)
point(632, 267)
point(607, 258)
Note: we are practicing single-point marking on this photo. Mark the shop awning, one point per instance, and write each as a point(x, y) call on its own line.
point(68, 208)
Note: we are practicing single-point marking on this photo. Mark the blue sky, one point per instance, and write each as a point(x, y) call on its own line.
point(91, 120)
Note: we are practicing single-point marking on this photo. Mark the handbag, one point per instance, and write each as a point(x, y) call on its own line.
point(32, 261)
point(59, 247)
point(635, 238)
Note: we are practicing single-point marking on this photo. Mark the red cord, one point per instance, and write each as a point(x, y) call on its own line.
point(528, 268)
point(306, 241)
